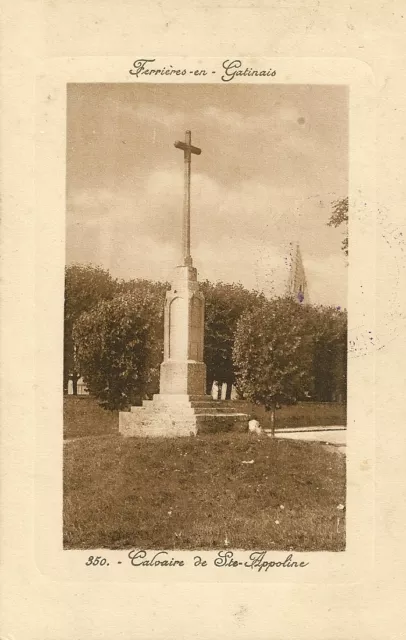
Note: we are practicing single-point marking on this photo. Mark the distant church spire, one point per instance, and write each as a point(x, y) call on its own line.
point(297, 283)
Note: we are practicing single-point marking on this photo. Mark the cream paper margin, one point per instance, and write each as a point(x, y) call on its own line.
point(34, 606)
point(354, 564)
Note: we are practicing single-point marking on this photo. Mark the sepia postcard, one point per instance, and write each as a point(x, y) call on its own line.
point(199, 401)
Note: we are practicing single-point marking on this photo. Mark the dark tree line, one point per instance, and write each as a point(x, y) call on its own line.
point(272, 350)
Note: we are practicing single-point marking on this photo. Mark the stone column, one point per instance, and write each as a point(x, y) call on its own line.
point(183, 371)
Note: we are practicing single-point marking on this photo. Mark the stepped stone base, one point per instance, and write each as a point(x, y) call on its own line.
point(174, 415)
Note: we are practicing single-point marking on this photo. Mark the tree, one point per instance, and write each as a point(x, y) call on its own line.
point(85, 287)
point(224, 304)
point(328, 326)
point(154, 288)
point(120, 346)
point(272, 354)
point(338, 217)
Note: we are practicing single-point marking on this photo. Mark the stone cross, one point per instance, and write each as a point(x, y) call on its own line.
point(187, 149)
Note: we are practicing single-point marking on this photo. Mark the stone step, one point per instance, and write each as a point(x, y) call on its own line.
point(153, 420)
point(153, 410)
point(218, 411)
point(166, 404)
point(181, 398)
point(222, 417)
point(172, 398)
point(145, 404)
point(197, 404)
point(231, 404)
point(189, 411)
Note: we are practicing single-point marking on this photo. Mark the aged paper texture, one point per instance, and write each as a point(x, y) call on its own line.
point(325, 85)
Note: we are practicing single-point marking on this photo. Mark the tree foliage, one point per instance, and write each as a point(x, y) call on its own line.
point(285, 351)
point(120, 346)
point(273, 350)
point(224, 304)
point(328, 328)
point(272, 353)
point(338, 217)
point(85, 286)
point(153, 288)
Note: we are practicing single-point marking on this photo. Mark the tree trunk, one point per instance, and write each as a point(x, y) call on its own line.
point(75, 378)
point(209, 386)
point(229, 390)
point(273, 416)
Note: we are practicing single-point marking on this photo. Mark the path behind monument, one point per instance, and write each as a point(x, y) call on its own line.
point(84, 417)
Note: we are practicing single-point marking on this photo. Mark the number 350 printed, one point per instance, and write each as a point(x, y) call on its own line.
point(93, 561)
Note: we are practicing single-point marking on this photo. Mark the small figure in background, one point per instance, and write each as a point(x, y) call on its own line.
point(254, 427)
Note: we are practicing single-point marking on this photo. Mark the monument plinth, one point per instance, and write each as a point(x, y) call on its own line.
point(181, 408)
point(183, 370)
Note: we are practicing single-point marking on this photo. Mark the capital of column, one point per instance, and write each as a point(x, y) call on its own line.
point(184, 276)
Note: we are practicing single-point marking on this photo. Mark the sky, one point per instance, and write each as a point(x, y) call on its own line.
point(274, 158)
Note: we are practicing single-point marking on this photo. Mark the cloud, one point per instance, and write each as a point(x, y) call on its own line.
point(239, 233)
point(156, 114)
point(95, 203)
point(327, 279)
point(256, 266)
point(272, 162)
point(145, 112)
point(225, 118)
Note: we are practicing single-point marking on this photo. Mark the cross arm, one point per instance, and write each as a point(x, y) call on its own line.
point(187, 147)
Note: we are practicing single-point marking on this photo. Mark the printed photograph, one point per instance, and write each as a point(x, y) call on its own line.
point(205, 316)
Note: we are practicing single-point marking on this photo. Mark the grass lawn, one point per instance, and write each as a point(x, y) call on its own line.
point(194, 493)
point(305, 414)
point(84, 417)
